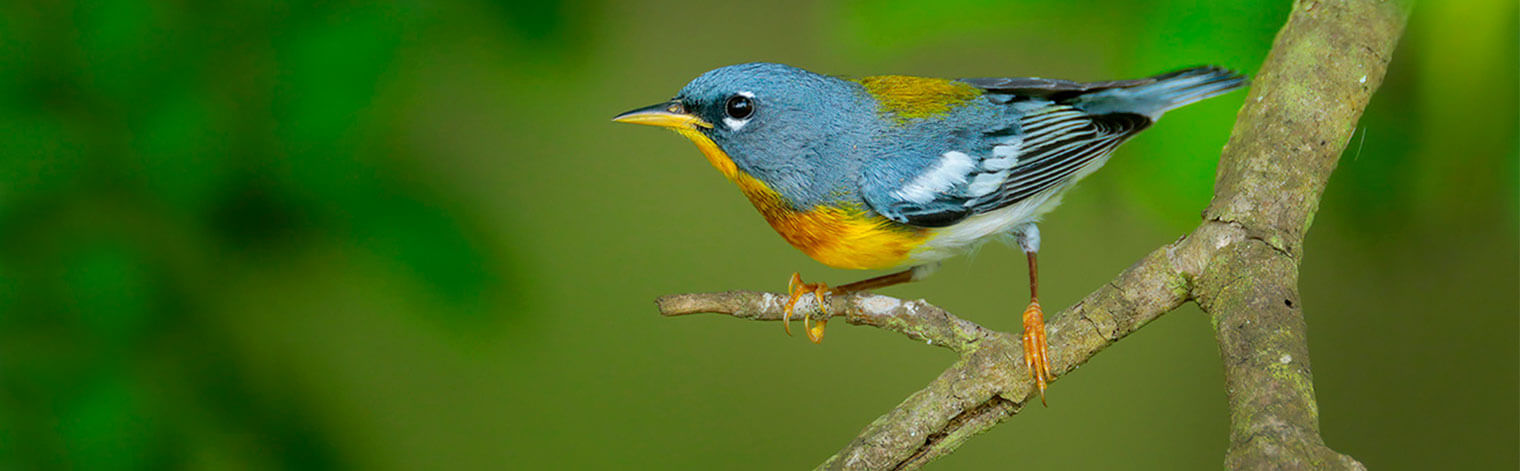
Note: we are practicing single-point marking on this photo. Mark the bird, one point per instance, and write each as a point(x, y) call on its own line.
point(901, 172)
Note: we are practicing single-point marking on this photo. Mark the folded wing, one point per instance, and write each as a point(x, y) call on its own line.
point(1060, 131)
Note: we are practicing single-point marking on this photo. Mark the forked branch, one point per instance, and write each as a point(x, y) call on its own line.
point(1240, 265)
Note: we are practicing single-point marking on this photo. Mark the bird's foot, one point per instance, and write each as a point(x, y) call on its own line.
point(797, 288)
point(1036, 356)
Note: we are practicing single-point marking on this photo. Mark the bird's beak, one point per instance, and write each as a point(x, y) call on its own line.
point(670, 114)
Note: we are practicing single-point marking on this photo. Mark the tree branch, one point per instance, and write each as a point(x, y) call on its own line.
point(918, 320)
point(1322, 70)
point(1240, 265)
point(989, 383)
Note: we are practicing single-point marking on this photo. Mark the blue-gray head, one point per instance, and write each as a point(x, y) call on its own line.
point(785, 126)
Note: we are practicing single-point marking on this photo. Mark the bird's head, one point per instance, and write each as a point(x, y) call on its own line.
point(770, 120)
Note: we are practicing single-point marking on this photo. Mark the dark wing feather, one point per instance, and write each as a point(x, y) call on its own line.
point(1051, 89)
point(1060, 90)
point(1059, 142)
point(1055, 143)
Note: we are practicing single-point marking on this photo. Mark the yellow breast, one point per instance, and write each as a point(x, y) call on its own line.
point(839, 237)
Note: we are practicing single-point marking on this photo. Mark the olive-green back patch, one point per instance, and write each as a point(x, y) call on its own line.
point(917, 97)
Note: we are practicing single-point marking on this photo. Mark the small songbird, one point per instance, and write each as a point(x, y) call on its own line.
point(903, 172)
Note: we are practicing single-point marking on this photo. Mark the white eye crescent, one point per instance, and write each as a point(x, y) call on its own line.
point(738, 110)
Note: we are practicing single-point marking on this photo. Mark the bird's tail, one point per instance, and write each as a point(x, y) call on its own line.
point(1164, 92)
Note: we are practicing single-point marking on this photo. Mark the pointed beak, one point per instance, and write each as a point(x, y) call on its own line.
point(670, 114)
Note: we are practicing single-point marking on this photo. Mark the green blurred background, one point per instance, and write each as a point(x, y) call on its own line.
point(406, 236)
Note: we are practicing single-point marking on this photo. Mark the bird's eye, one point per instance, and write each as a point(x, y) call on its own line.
point(739, 107)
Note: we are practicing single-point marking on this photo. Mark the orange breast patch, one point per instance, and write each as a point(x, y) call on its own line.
point(837, 237)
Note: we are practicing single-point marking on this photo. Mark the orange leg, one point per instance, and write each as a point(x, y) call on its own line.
point(797, 288)
point(1036, 356)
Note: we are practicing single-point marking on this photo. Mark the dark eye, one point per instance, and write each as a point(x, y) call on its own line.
point(739, 107)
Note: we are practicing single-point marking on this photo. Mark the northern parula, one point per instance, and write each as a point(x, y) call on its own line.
point(902, 172)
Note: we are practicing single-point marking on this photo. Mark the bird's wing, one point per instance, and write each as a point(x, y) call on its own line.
point(1058, 142)
point(1046, 146)
point(1052, 89)
point(1055, 130)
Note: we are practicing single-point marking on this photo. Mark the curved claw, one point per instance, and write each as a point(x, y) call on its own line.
point(796, 287)
point(1036, 352)
point(786, 311)
point(815, 332)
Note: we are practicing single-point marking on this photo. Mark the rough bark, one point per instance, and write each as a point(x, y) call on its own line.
point(1303, 109)
point(1240, 265)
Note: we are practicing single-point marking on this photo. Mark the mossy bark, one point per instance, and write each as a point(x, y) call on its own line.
point(1241, 266)
point(1302, 110)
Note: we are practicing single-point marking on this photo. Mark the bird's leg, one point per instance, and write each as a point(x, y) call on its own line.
point(877, 282)
point(1036, 352)
point(797, 289)
point(1036, 356)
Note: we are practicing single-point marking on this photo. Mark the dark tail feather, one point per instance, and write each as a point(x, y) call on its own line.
point(1164, 92)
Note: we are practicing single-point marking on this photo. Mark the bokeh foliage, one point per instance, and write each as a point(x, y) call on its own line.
point(238, 235)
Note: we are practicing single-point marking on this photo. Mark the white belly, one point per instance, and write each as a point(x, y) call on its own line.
point(946, 242)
